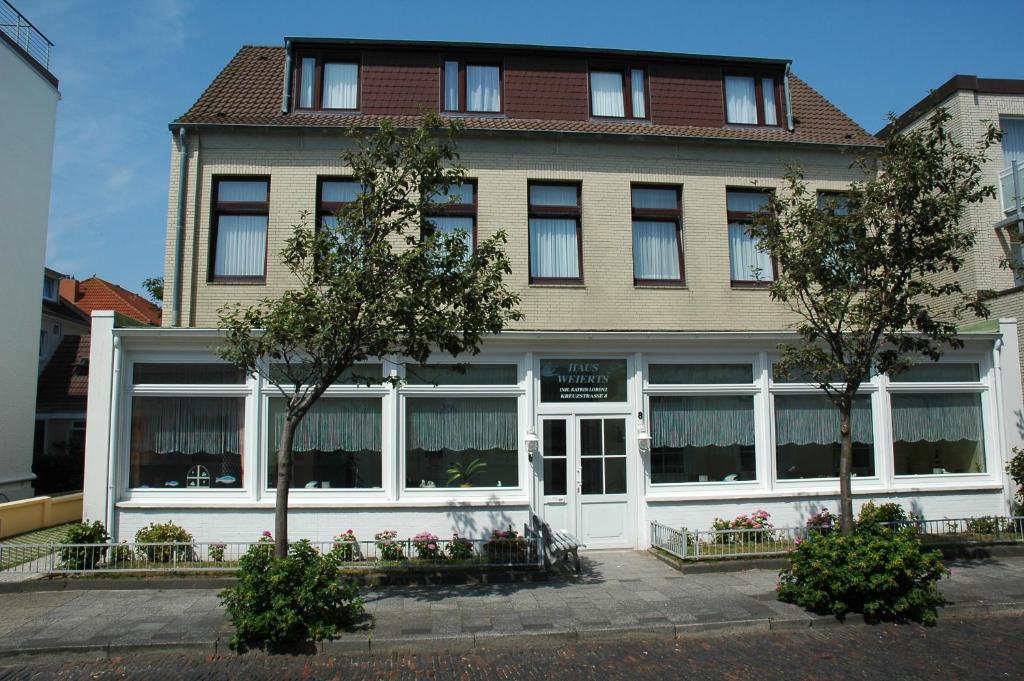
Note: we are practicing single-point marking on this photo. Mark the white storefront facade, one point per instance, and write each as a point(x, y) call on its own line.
point(549, 423)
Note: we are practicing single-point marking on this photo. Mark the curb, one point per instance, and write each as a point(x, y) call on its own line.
point(362, 643)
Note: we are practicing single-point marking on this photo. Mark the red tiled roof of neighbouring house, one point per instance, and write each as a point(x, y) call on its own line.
point(248, 92)
point(99, 294)
point(64, 383)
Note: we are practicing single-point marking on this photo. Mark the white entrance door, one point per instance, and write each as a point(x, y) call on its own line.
point(585, 487)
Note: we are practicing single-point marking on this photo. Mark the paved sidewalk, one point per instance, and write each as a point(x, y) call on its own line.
point(618, 593)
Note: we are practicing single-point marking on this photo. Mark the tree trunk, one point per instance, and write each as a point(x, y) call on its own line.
point(284, 483)
point(845, 468)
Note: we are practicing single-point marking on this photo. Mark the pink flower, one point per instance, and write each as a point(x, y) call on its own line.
point(266, 533)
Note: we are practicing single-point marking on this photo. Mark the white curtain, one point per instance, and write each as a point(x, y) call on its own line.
point(552, 195)
point(306, 82)
point(639, 103)
point(553, 248)
point(241, 245)
point(187, 425)
point(746, 262)
point(740, 99)
point(339, 191)
point(768, 93)
point(461, 423)
point(341, 83)
point(1013, 141)
point(720, 421)
point(349, 424)
point(453, 224)
point(451, 86)
point(483, 88)
point(936, 418)
point(649, 197)
point(245, 191)
point(813, 419)
point(606, 94)
point(655, 253)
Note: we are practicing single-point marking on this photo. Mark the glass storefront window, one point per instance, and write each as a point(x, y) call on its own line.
point(807, 437)
point(690, 374)
point(702, 439)
point(583, 380)
point(936, 434)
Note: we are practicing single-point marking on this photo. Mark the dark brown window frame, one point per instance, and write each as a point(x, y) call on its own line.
point(327, 208)
point(324, 57)
point(461, 210)
point(470, 60)
point(747, 218)
point(218, 208)
point(661, 215)
point(541, 211)
point(758, 77)
point(626, 71)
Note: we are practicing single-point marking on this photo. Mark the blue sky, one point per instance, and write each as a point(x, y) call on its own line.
point(128, 68)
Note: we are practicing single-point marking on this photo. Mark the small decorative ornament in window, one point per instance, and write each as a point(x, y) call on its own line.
point(198, 476)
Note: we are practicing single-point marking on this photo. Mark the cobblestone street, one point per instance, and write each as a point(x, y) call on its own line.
point(978, 648)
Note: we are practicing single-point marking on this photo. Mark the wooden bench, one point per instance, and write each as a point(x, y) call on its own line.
point(559, 545)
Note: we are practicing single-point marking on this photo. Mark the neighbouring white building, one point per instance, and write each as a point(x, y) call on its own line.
point(637, 388)
point(28, 112)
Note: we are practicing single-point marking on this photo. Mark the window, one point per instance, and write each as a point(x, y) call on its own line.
point(42, 342)
point(472, 88)
point(1013, 152)
point(618, 93)
point(657, 235)
point(182, 441)
point(240, 212)
point(50, 288)
point(702, 438)
point(461, 442)
point(602, 456)
point(337, 444)
point(807, 437)
point(332, 194)
point(746, 262)
point(325, 83)
point(461, 374)
point(696, 374)
point(455, 213)
point(836, 203)
point(751, 100)
point(556, 249)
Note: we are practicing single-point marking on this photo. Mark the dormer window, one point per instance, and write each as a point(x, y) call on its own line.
point(50, 288)
point(616, 93)
point(328, 83)
point(751, 100)
point(472, 87)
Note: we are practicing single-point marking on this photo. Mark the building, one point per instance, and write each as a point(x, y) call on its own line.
point(58, 456)
point(28, 111)
point(624, 181)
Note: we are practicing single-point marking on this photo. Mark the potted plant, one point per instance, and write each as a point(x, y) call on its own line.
point(506, 546)
point(463, 473)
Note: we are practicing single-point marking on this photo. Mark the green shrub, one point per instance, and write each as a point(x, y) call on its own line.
point(892, 512)
point(160, 533)
point(121, 555)
point(84, 557)
point(880, 572)
point(1015, 469)
point(282, 602)
point(460, 548)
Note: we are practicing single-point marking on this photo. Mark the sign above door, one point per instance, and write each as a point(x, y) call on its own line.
point(583, 380)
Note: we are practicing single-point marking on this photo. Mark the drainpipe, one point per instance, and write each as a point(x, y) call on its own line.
point(112, 439)
point(179, 237)
point(286, 99)
point(789, 99)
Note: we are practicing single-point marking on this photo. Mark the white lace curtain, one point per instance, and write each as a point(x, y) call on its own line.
point(461, 423)
point(188, 425)
point(936, 418)
point(813, 419)
point(720, 421)
point(333, 424)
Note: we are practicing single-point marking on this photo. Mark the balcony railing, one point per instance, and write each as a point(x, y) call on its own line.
point(1011, 188)
point(25, 35)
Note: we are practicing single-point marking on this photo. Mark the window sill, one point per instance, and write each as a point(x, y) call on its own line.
point(620, 119)
point(756, 285)
point(237, 281)
point(474, 114)
point(659, 283)
point(324, 502)
point(340, 112)
point(569, 283)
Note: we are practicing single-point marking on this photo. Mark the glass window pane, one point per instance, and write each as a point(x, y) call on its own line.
point(341, 85)
point(768, 93)
point(702, 439)
point(747, 262)
point(483, 88)
point(606, 94)
point(337, 444)
point(690, 374)
point(461, 442)
point(458, 194)
point(615, 475)
point(807, 437)
point(452, 225)
point(592, 476)
point(239, 191)
point(590, 437)
point(473, 374)
point(555, 481)
point(186, 442)
point(639, 101)
point(615, 437)
point(740, 100)
point(653, 197)
point(746, 202)
point(655, 250)
point(583, 380)
point(834, 202)
point(358, 374)
point(192, 373)
point(451, 85)
point(554, 249)
point(937, 433)
point(554, 438)
point(339, 191)
point(306, 82)
point(241, 247)
point(554, 195)
point(938, 373)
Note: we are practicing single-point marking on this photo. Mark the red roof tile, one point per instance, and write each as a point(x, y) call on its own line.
point(248, 92)
point(99, 294)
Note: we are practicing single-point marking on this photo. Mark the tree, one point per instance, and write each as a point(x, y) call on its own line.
point(155, 287)
point(864, 277)
point(382, 282)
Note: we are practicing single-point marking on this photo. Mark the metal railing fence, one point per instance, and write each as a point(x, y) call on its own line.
point(777, 541)
point(24, 34)
point(225, 556)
